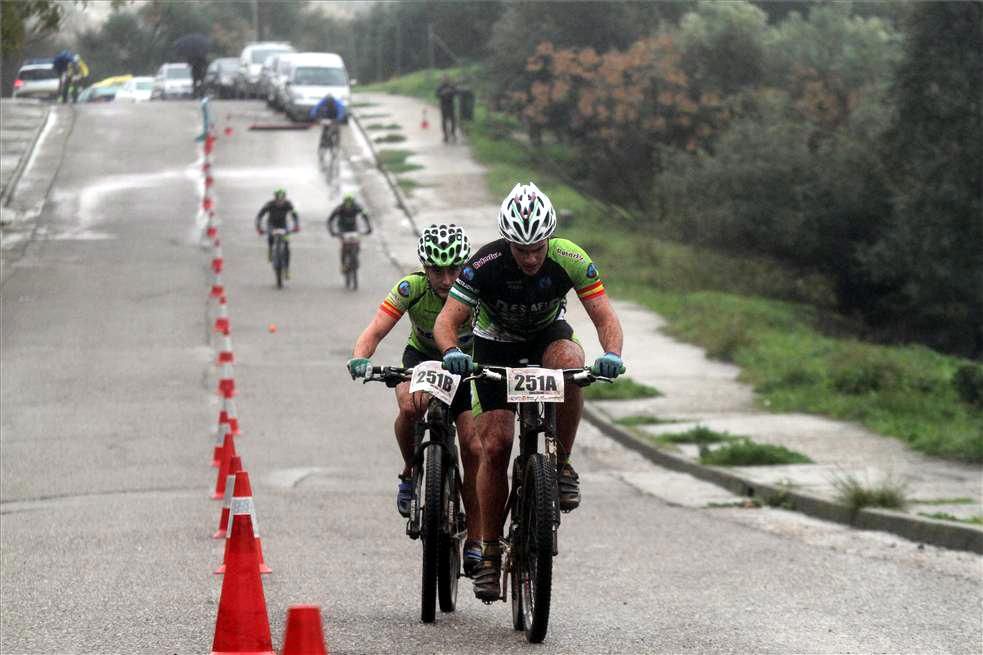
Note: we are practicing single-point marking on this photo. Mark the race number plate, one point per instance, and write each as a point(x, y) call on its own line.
point(534, 384)
point(430, 377)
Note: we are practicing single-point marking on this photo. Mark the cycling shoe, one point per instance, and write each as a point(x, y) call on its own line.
point(568, 483)
point(404, 496)
point(472, 557)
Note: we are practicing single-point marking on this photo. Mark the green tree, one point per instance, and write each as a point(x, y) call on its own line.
point(724, 46)
point(932, 254)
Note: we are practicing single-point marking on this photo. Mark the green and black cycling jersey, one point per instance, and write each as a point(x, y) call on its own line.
point(513, 306)
point(277, 215)
point(414, 295)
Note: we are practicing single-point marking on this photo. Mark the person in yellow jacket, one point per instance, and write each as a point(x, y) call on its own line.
point(77, 71)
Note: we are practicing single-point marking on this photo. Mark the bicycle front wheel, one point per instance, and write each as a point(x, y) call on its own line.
point(450, 541)
point(535, 547)
point(431, 533)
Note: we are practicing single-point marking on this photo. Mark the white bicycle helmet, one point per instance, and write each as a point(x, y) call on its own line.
point(526, 216)
point(443, 245)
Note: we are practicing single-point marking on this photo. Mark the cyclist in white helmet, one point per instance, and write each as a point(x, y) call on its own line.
point(442, 250)
point(518, 286)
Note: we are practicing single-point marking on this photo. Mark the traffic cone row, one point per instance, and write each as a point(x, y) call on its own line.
point(242, 623)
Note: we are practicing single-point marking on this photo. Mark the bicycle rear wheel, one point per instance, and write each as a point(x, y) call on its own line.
point(431, 533)
point(450, 543)
point(535, 548)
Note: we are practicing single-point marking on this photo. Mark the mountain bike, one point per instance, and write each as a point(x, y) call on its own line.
point(328, 146)
point(533, 505)
point(350, 246)
point(435, 517)
point(279, 255)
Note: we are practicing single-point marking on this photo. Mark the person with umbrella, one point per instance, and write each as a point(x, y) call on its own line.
point(193, 48)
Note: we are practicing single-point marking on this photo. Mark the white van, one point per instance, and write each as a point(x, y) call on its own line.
point(311, 76)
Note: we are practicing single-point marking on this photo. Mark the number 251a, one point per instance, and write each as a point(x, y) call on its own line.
point(534, 383)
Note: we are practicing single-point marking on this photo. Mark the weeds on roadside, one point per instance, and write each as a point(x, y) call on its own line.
point(889, 493)
point(744, 452)
point(390, 138)
point(700, 435)
point(395, 161)
point(945, 516)
point(640, 419)
point(624, 388)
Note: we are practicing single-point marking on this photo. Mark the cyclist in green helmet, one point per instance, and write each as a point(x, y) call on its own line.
point(277, 211)
point(442, 250)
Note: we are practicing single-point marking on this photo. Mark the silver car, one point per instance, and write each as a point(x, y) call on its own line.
point(251, 63)
point(172, 81)
point(39, 80)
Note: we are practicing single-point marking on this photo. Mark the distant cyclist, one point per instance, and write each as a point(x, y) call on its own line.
point(75, 73)
point(332, 110)
point(518, 286)
point(277, 211)
point(442, 250)
point(344, 220)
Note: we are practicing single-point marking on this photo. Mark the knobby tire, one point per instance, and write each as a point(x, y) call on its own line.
point(535, 556)
point(450, 547)
point(431, 533)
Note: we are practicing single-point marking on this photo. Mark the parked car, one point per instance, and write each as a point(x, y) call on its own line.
point(172, 81)
point(37, 79)
point(265, 83)
point(312, 76)
point(251, 63)
point(220, 78)
point(104, 90)
point(281, 73)
point(137, 89)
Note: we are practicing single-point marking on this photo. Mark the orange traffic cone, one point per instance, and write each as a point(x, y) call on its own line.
point(207, 203)
point(424, 124)
point(242, 503)
point(227, 382)
point(228, 452)
point(225, 354)
point(209, 180)
point(217, 260)
point(242, 626)
point(235, 465)
point(219, 449)
point(222, 322)
point(218, 289)
point(303, 634)
point(229, 415)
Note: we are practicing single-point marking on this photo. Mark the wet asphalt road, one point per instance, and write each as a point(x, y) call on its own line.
point(108, 403)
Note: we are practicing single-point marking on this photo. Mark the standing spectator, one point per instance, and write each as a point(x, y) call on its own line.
point(446, 92)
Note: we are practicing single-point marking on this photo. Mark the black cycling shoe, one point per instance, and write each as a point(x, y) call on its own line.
point(472, 557)
point(488, 580)
point(568, 483)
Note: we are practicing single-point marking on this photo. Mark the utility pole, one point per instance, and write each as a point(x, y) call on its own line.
point(399, 47)
point(430, 44)
point(256, 19)
point(378, 52)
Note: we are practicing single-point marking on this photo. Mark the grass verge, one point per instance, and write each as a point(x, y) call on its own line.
point(774, 322)
point(638, 419)
point(888, 493)
point(380, 126)
point(390, 138)
point(744, 452)
point(624, 388)
point(943, 516)
point(700, 435)
point(408, 185)
point(961, 500)
point(395, 161)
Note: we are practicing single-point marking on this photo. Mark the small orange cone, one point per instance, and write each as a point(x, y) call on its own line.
point(242, 625)
point(222, 322)
point(217, 260)
point(207, 203)
point(227, 382)
point(424, 124)
point(209, 180)
point(272, 328)
point(242, 503)
point(225, 355)
point(228, 452)
point(218, 289)
point(228, 131)
point(304, 634)
point(235, 465)
point(219, 450)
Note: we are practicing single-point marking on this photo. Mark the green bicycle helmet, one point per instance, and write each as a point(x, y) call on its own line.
point(280, 193)
point(444, 245)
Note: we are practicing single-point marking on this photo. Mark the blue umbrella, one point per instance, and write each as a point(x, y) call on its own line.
point(62, 60)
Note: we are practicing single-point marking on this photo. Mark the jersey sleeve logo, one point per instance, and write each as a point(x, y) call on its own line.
point(404, 289)
point(591, 271)
point(468, 273)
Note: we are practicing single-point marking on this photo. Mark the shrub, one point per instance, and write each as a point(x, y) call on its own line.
point(745, 452)
point(968, 382)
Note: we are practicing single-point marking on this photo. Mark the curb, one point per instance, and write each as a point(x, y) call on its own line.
point(390, 179)
point(8, 192)
point(936, 533)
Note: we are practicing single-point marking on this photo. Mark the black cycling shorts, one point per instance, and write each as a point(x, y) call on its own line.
point(462, 399)
point(491, 395)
